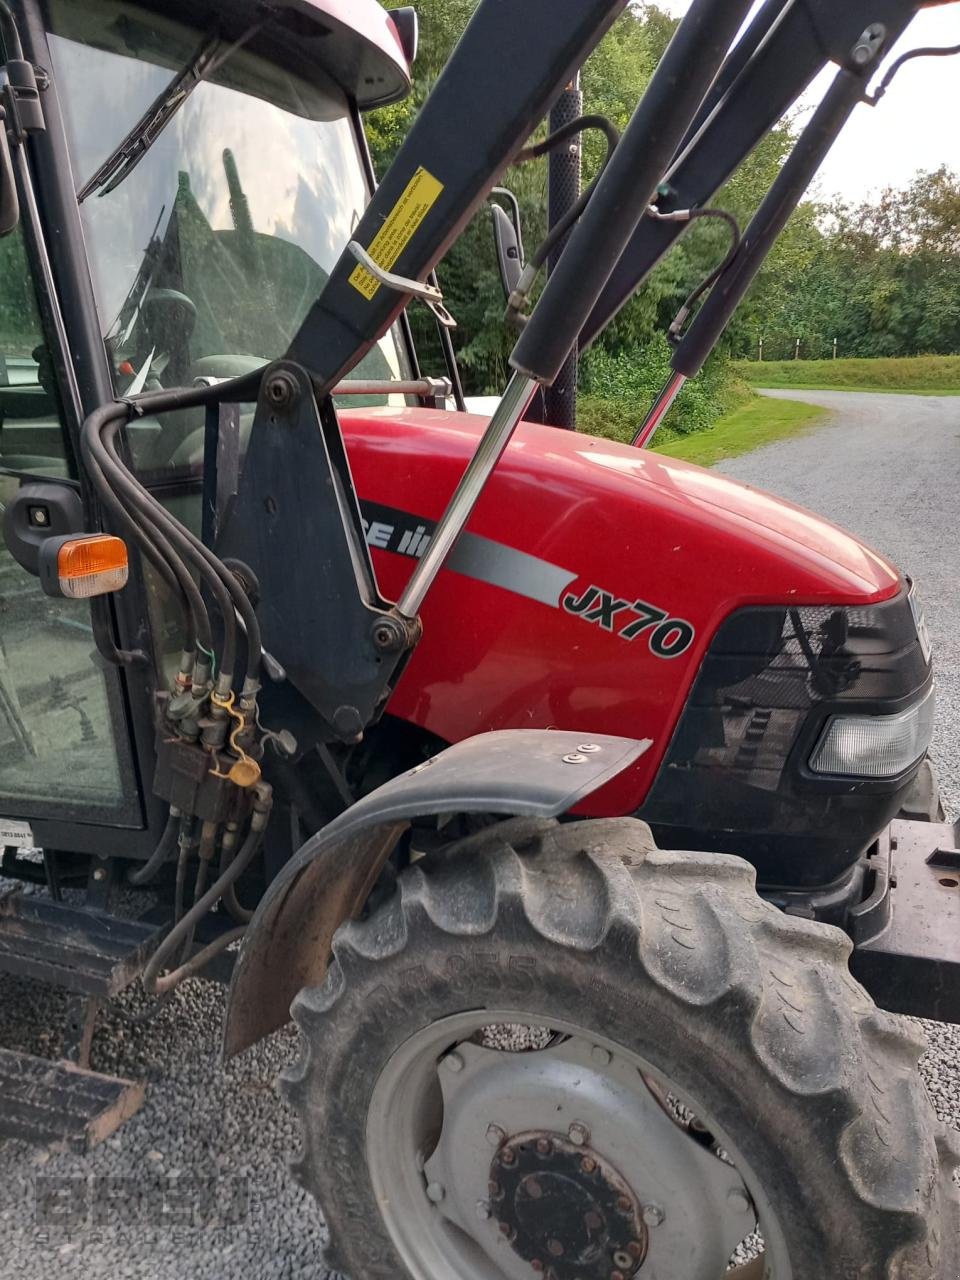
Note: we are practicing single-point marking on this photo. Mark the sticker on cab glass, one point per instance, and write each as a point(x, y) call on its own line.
point(403, 222)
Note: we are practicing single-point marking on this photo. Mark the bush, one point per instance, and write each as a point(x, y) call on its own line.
point(618, 390)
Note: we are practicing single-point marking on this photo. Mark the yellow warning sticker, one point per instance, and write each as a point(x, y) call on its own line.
point(422, 193)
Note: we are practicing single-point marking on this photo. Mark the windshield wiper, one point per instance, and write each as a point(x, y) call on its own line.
point(125, 157)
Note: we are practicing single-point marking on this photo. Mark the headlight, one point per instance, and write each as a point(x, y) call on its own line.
point(875, 746)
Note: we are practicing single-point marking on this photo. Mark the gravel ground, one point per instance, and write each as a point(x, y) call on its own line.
point(887, 467)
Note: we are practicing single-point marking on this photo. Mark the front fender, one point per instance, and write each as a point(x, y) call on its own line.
point(536, 772)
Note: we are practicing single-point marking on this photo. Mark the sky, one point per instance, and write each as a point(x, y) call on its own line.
point(914, 128)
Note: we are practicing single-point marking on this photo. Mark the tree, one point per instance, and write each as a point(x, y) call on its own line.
point(881, 276)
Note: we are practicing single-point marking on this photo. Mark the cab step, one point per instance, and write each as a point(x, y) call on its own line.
point(80, 949)
point(60, 1105)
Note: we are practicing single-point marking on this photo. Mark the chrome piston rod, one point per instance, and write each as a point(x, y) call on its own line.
point(516, 400)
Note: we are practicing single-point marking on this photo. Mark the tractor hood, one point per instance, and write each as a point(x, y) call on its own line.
point(591, 581)
point(823, 557)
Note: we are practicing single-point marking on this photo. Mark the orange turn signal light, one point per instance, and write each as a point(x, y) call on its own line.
point(86, 565)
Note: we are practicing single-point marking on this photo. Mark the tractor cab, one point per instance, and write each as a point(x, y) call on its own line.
point(197, 172)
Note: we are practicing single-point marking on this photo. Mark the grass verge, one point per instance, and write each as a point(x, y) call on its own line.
point(908, 375)
point(760, 422)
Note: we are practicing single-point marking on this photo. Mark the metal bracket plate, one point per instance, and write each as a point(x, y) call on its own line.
point(914, 965)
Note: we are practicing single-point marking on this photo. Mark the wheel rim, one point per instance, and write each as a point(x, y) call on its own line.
point(562, 1162)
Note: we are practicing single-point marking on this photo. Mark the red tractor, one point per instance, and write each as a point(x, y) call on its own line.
point(410, 719)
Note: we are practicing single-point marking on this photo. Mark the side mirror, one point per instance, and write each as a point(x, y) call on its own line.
point(508, 239)
point(9, 204)
point(407, 24)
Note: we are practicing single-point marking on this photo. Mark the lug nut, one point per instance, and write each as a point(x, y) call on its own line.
point(495, 1135)
point(544, 1146)
point(507, 1156)
point(617, 1275)
point(555, 1248)
point(653, 1215)
point(635, 1249)
point(578, 1134)
point(453, 1062)
point(623, 1204)
point(507, 1231)
point(494, 1189)
point(536, 1264)
point(587, 1165)
point(622, 1259)
point(435, 1192)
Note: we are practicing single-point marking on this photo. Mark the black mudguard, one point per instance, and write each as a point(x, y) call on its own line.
point(540, 773)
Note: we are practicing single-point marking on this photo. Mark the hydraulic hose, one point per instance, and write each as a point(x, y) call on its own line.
point(164, 559)
point(239, 602)
point(152, 979)
point(628, 185)
point(152, 513)
point(240, 913)
point(158, 548)
point(112, 416)
point(580, 125)
point(166, 846)
point(9, 34)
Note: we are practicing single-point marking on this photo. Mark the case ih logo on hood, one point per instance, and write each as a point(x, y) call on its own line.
point(484, 560)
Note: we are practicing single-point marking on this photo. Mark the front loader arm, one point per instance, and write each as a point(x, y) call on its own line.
point(786, 46)
point(509, 66)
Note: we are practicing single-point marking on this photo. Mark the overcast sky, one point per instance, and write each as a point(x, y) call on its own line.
point(917, 126)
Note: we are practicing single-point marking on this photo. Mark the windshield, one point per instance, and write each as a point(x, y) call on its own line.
point(208, 255)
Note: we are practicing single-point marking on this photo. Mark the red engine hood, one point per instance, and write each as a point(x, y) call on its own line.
point(591, 580)
point(658, 486)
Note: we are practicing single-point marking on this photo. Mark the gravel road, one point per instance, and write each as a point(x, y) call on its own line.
point(885, 466)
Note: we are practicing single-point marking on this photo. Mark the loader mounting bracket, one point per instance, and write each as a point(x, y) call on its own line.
point(523, 772)
point(295, 524)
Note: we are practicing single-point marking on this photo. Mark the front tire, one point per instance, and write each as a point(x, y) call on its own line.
point(642, 975)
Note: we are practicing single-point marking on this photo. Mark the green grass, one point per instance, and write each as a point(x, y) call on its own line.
point(908, 375)
point(758, 423)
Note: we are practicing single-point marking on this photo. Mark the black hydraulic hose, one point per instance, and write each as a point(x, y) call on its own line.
point(676, 328)
point(538, 149)
point(167, 844)
point(235, 907)
point(152, 980)
point(200, 961)
point(164, 559)
point(932, 51)
point(241, 602)
point(163, 402)
point(9, 34)
point(627, 186)
point(154, 513)
point(155, 545)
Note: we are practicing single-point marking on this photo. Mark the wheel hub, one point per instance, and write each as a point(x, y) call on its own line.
point(566, 1210)
point(557, 1163)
